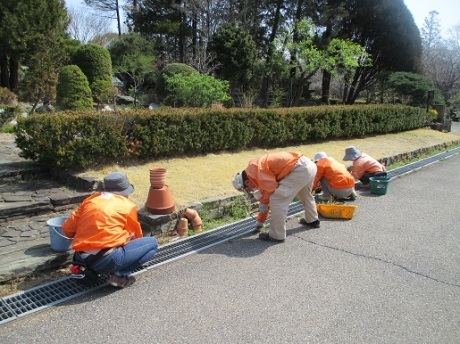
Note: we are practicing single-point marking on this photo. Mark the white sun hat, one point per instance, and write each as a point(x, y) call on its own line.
point(319, 156)
point(238, 182)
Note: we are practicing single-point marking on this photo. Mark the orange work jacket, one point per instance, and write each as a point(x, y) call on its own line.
point(334, 172)
point(364, 164)
point(266, 171)
point(103, 220)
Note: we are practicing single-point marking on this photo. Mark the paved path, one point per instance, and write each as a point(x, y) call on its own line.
point(389, 275)
point(28, 198)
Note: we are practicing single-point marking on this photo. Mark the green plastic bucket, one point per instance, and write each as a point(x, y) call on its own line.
point(59, 242)
point(379, 185)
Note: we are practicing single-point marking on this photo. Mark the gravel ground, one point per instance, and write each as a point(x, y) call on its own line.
point(6, 136)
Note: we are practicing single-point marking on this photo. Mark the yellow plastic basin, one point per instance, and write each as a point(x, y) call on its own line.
point(336, 211)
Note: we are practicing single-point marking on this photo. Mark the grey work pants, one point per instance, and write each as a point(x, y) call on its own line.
point(298, 182)
point(328, 190)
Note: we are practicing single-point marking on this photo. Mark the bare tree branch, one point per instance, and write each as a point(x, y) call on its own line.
point(85, 26)
point(110, 6)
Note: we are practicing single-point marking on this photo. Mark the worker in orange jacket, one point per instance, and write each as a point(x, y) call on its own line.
point(278, 178)
point(364, 166)
point(107, 234)
point(333, 178)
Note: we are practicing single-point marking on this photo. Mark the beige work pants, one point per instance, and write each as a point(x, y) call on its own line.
point(298, 183)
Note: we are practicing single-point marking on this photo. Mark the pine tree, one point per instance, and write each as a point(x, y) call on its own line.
point(23, 25)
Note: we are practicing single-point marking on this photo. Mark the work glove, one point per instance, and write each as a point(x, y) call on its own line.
point(257, 195)
point(263, 208)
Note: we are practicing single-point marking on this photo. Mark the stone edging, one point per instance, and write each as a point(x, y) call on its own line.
point(416, 153)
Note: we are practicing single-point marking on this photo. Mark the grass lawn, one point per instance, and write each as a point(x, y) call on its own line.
point(193, 179)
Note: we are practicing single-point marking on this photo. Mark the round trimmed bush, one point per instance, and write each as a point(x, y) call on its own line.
point(94, 61)
point(72, 89)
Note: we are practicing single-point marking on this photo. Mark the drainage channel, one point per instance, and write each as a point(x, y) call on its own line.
point(35, 299)
point(47, 295)
point(415, 166)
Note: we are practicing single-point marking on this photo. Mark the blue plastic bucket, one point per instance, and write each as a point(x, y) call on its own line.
point(59, 242)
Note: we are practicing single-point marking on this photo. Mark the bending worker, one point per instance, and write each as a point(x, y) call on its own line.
point(335, 180)
point(106, 232)
point(278, 178)
point(364, 166)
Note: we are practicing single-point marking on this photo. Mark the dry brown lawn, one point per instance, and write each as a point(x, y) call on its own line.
point(194, 179)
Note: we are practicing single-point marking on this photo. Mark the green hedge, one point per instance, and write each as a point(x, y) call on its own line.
point(79, 140)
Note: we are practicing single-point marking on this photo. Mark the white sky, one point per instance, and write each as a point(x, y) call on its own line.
point(449, 11)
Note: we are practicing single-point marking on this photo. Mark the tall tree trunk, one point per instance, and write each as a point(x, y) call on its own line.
point(356, 86)
point(182, 34)
point(4, 74)
point(265, 91)
point(296, 92)
point(194, 37)
point(118, 18)
point(299, 87)
point(362, 77)
point(325, 87)
point(382, 90)
point(326, 82)
point(14, 73)
point(346, 86)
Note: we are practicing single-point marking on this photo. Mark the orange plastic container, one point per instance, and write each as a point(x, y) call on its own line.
point(336, 211)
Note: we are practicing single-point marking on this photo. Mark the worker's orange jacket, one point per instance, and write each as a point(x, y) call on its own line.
point(334, 172)
point(103, 220)
point(364, 164)
point(266, 171)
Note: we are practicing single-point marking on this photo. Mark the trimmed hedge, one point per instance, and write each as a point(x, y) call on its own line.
point(92, 138)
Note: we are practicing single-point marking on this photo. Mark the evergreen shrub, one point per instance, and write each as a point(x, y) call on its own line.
point(69, 139)
point(94, 61)
point(95, 138)
point(7, 97)
point(72, 89)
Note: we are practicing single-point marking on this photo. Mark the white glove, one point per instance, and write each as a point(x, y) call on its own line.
point(257, 195)
point(263, 208)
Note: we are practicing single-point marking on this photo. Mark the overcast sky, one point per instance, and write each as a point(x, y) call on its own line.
point(449, 11)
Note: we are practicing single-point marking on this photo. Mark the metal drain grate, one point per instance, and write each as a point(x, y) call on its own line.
point(35, 299)
point(38, 298)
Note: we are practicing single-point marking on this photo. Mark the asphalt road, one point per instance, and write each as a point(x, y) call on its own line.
point(389, 275)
